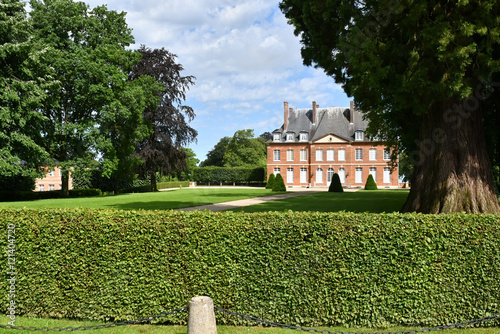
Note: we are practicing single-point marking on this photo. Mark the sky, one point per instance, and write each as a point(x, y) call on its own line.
point(244, 55)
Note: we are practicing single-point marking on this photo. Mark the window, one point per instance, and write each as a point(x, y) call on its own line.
point(373, 172)
point(319, 155)
point(387, 154)
point(319, 175)
point(289, 175)
point(51, 187)
point(277, 155)
point(289, 137)
point(387, 175)
point(276, 137)
point(373, 154)
point(289, 155)
point(358, 135)
point(52, 173)
point(303, 175)
point(359, 154)
point(303, 136)
point(358, 177)
point(303, 155)
point(329, 175)
point(277, 171)
point(42, 188)
point(342, 175)
point(342, 154)
point(330, 155)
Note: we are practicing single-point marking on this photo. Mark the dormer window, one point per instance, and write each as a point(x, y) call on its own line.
point(289, 137)
point(358, 135)
point(276, 136)
point(303, 136)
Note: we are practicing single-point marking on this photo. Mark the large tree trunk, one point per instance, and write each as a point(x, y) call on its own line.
point(153, 181)
point(65, 184)
point(452, 171)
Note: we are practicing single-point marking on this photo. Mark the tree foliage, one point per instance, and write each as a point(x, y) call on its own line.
point(279, 183)
point(215, 157)
point(243, 150)
point(23, 83)
point(420, 72)
point(270, 181)
point(87, 50)
point(370, 183)
point(168, 121)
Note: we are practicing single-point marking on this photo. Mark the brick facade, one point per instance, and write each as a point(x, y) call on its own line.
point(313, 162)
point(52, 181)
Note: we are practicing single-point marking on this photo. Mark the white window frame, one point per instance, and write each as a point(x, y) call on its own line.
point(289, 136)
point(51, 187)
point(387, 175)
point(289, 175)
point(319, 154)
point(341, 153)
point(277, 155)
point(372, 154)
point(276, 137)
point(359, 154)
point(330, 154)
point(387, 154)
point(303, 175)
point(319, 175)
point(52, 173)
point(342, 175)
point(303, 155)
point(358, 135)
point(276, 171)
point(41, 188)
point(358, 175)
point(303, 136)
point(373, 172)
point(289, 155)
point(329, 175)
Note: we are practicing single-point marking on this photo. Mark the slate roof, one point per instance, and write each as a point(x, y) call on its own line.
point(330, 120)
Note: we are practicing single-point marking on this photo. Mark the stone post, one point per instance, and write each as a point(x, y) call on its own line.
point(201, 316)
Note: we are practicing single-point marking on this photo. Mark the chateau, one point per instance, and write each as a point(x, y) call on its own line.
point(313, 144)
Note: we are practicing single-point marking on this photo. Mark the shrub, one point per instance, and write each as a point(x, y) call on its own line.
point(295, 268)
point(370, 183)
point(229, 174)
point(270, 182)
point(85, 193)
point(279, 183)
point(335, 185)
point(172, 184)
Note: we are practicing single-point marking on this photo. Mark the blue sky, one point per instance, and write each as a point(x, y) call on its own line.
point(244, 56)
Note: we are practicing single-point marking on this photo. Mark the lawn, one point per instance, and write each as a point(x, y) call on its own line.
point(374, 201)
point(162, 200)
point(157, 329)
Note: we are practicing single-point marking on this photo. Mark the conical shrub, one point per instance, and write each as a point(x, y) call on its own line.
point(335, 185)
point(370, 183)
point(270, 182)
point(279, 183)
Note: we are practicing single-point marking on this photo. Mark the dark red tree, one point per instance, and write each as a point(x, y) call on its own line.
point(169, 122)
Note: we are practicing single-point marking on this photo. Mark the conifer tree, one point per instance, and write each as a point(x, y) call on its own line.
point(279, 183)
point(370, 183)
point(336, 185)
point(270, 181)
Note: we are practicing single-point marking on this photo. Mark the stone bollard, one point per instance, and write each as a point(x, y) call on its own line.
point(201, 316)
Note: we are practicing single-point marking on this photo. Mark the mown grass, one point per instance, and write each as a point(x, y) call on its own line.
point(374, 201)
point(162, 200)
point(157, 329)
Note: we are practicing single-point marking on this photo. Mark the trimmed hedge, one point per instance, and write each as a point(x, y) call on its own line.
point(279, 183)
point(229, 174)
point(15, 196)
point(370, 183)
point(270, 181)
point(297, 268)
point(172, 184)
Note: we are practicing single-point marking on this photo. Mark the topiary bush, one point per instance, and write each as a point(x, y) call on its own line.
point(370, 183)
point(279, 183)
point(335, 185)
point(270, 182)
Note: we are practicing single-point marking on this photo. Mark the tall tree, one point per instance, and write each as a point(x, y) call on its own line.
point(168, 121)
point(87, 49)
point(243, 150)
point(419, 70)
point(215, 157)
point(23, 82)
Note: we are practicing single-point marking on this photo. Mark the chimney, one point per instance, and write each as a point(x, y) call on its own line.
point(314, 112)
point(351, 112)
point(291, 111)
point(285, 124)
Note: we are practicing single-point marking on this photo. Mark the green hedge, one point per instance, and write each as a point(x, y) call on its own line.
point(12, 196)
point(229, 174)
point(172, 184)
point(297, 268)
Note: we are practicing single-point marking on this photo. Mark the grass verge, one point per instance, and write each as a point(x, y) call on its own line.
point(157, 329)
point(162, 200)
point(374, 201)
